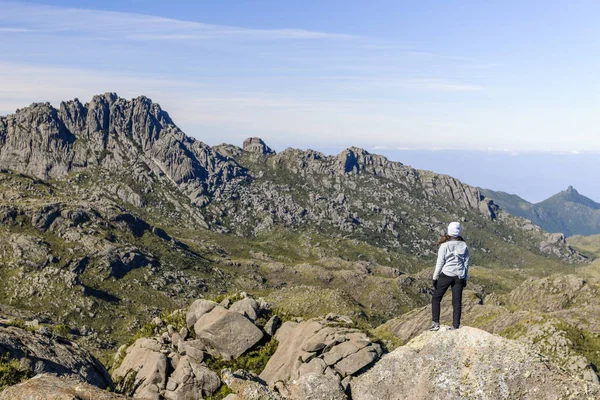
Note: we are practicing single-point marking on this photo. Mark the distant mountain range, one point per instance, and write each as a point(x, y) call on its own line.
point(568, 211)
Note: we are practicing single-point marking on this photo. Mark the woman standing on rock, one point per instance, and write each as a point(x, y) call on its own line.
point(451, 270)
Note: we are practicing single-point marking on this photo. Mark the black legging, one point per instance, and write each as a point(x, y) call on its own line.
point(444, 282)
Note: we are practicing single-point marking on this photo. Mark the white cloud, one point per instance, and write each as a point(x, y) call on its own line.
point(27, 17)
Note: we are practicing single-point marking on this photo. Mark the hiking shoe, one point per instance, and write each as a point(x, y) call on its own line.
point(435, 326)
point(452, 328)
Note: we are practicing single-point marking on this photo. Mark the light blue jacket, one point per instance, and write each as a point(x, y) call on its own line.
point(453, 260)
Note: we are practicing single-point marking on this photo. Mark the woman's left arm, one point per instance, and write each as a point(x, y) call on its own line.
point(441, 259)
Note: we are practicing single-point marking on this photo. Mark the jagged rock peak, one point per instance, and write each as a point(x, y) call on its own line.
point(111, 133)
point(256, 145)
point(354, 159)
point(571, 189)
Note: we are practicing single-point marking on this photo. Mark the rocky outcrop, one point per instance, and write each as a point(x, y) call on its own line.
point(170, 366)
point(173, 364)
point(143, 371)
point(556, 244)
point(227, 334)
point(191, 380)
point(167, 367)
point(466, 363)
point(555, 316)
point(42, 352)
point(257, 146)
point(316, 347)
point(48, 386)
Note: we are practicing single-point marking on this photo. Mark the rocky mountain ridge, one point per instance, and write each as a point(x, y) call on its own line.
point(138, 136)
point(135, 151)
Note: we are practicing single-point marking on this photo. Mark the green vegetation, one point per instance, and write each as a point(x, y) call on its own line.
point(253, 361)
point(176, 318)
point(17, 323)
point(387, 339)
point(584, 342)
point(588, 245)
point(310, 301)
point(11, 372)
point(232, 297)
point(62, 330)
point(486, 319)
point(221, 393)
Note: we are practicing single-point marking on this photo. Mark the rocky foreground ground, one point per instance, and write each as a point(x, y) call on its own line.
point(242, 350)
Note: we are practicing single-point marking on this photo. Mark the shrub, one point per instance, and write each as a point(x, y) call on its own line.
point(11, 372)
point(254, 361)
point(62, 330)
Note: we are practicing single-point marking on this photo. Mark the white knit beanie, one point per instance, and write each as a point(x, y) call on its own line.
point(454, 229)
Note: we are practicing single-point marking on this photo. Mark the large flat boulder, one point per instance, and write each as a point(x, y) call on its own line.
point(284, 364)
point(467, 363)
point(319, 347)
point(227, 333)
point(197, 310)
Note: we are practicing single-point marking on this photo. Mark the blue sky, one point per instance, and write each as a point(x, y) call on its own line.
point(512, 77)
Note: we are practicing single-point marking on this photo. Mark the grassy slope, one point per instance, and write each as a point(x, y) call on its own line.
point(510, 202)
point(588, 245)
